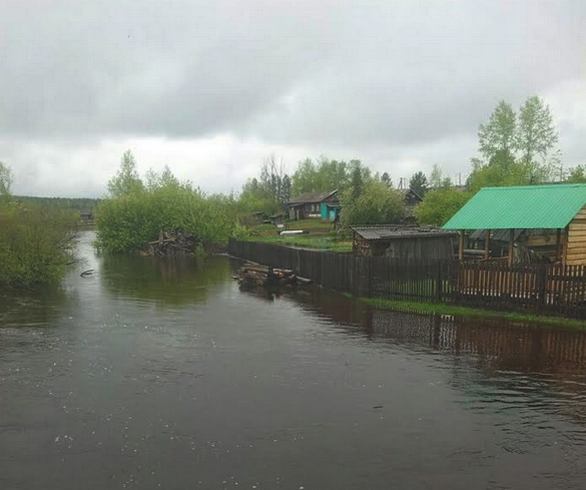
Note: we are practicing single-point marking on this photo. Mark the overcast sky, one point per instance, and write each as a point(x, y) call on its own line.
point(211, 88)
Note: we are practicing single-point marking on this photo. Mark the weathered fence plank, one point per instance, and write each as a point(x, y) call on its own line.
point(539, 287)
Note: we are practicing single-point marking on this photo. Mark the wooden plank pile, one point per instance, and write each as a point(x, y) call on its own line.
point(171, 243)
point(254, 276)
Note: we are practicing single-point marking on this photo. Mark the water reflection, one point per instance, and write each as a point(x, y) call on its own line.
point(308, 389)
point(170, 280)
point(31, 308)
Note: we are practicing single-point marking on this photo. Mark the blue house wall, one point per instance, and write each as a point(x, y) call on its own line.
point(328, 212)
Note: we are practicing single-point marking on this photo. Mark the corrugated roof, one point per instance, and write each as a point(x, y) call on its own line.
point(386, 232)
point(311, 197)
point(528, 207)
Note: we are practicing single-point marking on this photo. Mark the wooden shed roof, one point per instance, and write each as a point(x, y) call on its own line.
point(389, 232)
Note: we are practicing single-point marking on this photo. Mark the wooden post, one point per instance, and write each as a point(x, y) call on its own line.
point(511, 241)
point(461, 246)
point(558, 245)
point(487, 245)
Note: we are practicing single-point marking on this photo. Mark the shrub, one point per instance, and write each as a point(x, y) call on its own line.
point(36, 244)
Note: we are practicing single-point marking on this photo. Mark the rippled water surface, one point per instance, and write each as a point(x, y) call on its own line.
point(162, 374)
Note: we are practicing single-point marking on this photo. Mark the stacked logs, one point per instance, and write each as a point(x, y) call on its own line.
point(254, 276)
point(172, 243)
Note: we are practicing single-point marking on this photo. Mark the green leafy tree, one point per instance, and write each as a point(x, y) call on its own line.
point(322, 176)
point(439, 205)
point(127, 222)
point(127, 180)
point(517, 150)
point(386, 179)
point(498, 135)
point(536, 134)
point(577, 175)
point(378, 203)
point(418, 183)
point(269, 192)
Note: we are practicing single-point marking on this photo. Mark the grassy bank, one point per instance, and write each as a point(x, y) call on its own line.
point(320, 235)
point(469, 312)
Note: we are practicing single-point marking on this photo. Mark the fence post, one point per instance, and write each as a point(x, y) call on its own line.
point(438, 284)
point(541, 286)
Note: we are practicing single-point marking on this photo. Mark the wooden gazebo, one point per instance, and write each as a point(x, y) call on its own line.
point(560, 208)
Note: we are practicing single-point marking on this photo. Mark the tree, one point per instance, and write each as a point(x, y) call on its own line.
point(5, 180)
point(439, 205)
point(386, 178)
point(322, 176)
point(357, 182)
point(418, 183)
point(577, 175)
point(436, 178)
point(268, 193)
point(126, 181)
point(499, 134)
point(378, 203)
point(536, 133)
point(511, 146)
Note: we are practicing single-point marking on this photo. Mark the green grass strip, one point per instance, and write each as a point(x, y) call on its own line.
point(470, 312)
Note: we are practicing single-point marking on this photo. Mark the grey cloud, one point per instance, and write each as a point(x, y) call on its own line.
point(395, 80)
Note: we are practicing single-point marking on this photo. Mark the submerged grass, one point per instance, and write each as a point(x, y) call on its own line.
point(470, 312)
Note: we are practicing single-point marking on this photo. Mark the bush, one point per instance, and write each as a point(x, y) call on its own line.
point(439, 206)
point(128, 222)
point(376, 204)
point(36, 244)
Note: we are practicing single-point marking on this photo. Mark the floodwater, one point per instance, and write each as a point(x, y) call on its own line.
point(162, 374)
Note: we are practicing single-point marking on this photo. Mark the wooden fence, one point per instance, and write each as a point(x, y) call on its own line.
point(538, 287)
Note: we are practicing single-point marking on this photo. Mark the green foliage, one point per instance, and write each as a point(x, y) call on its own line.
point(327, 175)
point(127, 222)
point(418, 183)
point(439, 205)
point(499, 134)
point(270, 192)
point(517, 150)
point(437, 179)
point(377, 203)
point(577, 175)
point(35, 241)
point(127, 180)
point(536, 133)
point(35, 244)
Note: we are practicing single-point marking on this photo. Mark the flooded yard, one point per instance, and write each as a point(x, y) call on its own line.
point(162, 374)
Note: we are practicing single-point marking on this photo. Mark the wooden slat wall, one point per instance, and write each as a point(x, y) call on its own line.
point(576, 243)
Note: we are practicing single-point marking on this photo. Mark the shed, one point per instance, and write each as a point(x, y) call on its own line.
point(558, 209)
point(403, 242)
point(324, 205)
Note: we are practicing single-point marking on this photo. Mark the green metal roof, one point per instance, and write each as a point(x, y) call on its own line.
point(529, 207)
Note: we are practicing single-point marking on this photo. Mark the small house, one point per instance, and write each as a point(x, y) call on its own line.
point(403, 242)
point(324, 205)
point(548, 221)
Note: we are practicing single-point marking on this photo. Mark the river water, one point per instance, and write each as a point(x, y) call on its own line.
point(162, 374)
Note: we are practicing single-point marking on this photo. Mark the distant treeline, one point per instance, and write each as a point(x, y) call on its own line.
point(74, 203)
